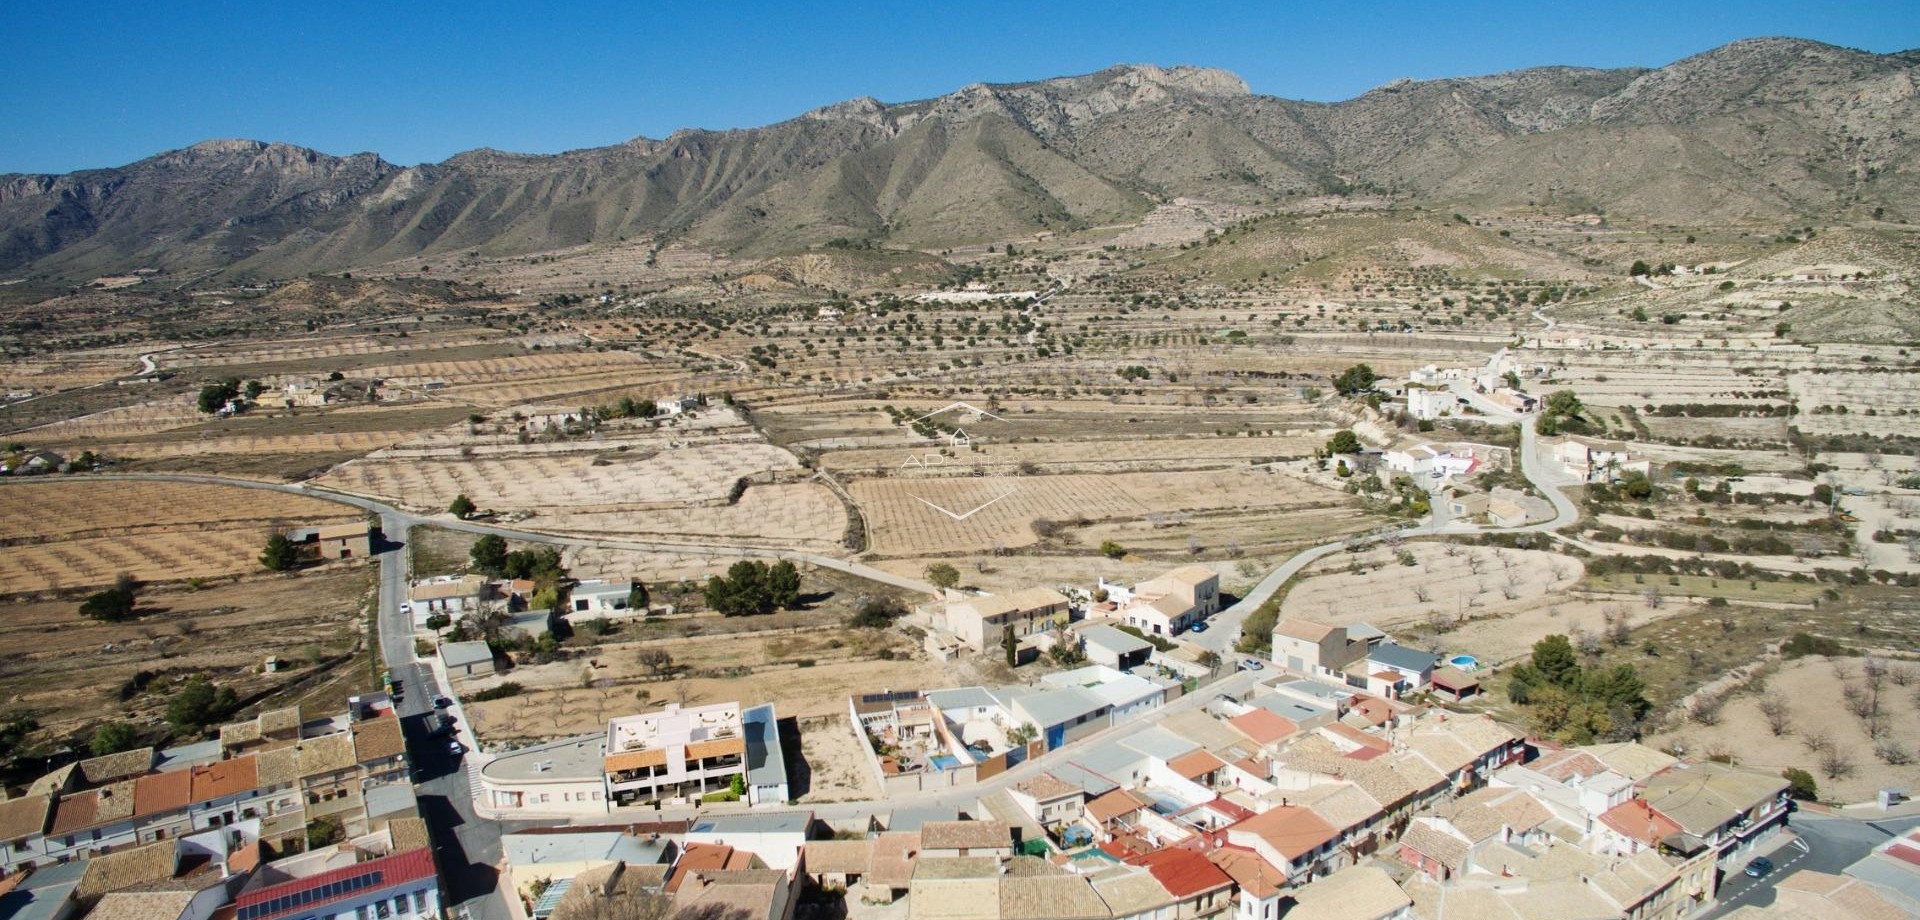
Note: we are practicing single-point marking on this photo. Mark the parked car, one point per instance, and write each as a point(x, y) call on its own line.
point(441, 702)
point(1758, 867)
point(1251, 664)
point(1198, 627)
point(456, 748)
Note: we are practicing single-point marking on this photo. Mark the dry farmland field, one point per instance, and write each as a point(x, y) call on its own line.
point(701, 473)
point(63, 534)
point(904, 522)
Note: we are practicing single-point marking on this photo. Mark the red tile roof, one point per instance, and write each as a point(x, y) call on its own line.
point(1195, 764)
point(223, 778)
point(162, 792)
point(1184, 873)
point(1636, 819)
point(1248, 870)
point(1113, 805)
point(398, 869)
point(1355, 736)
point(1263, 726)
point(1290, 829)
point(706, 857)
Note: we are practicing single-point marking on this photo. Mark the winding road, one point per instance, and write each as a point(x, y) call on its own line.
point(1223, 631)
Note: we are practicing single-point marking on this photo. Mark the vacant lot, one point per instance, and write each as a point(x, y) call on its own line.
point(69, 670)
point(807, 672)
point(73, 533)
point(1817, 712)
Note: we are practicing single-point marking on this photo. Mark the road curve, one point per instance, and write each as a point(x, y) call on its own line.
point(1224, 628)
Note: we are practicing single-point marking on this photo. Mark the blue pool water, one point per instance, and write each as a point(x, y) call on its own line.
point(944, 761)
point(1464, 662)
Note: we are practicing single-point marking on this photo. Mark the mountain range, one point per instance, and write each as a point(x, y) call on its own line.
point(1763, 130)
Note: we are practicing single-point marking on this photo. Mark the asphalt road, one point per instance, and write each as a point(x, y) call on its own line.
point(1827, 844)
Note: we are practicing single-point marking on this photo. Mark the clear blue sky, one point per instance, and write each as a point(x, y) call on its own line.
point(96, 84)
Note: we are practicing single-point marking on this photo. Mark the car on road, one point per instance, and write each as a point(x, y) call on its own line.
point(1758, 867)
point(1197, 627)
point(441, 702)
point(456, 748)
point(406, 607)
point(1251, 664)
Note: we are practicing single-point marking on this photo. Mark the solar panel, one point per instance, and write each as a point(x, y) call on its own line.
point(326, 892)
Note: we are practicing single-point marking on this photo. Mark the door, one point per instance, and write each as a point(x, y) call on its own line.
point(1056, 737)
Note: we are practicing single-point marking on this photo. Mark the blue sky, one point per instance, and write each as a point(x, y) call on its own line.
point(92, 84)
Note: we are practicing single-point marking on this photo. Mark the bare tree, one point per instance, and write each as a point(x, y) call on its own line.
point(1817, 740)
point(1836, 763)
point(1422, 594)
point(1892, 751)
point(1778, 713)
point(1901, 675)
point(1653, 598)
point(1706, 708)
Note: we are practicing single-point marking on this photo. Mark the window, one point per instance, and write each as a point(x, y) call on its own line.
point(399, 903)
point(381, 910)
point(419, 902)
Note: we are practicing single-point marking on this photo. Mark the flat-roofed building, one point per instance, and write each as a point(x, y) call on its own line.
point(676, 752)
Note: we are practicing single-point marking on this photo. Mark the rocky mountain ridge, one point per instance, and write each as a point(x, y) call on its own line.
point(1759, 130)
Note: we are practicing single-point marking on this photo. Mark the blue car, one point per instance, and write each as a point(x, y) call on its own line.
point(1197, 627)
point(1758, 867)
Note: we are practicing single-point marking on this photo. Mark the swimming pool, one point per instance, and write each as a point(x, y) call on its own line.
point(1465, 662)
point(944, 762)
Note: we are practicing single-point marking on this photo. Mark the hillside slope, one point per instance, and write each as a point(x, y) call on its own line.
point(1764, 129)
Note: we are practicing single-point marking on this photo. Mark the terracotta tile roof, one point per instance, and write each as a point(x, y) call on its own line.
point(25, 816)
point(1305, 630)
point(1056, 897)
point(275, 721)
point(1131, 892)
point(1568, 764)
point(126, 868)
point(1195, 764)
point(1184, 873)
point(1264, 726)
point(278, 766)
point(718, 747)
point(635, 760)
point(1046, 787)
point(74, 813)
point(325, 754)
point(1373, 709)
point(1290, 829)
point(1353, 893)
point(123, 765)
point(1356, 737)
point(894, 856)
point(1113, 805)
point(1253, 874)
point(378, 740)
point(1452, 678)
point(845, 857)
point(54, 782)
point(398, 869)
point(1342, 805)
point(142, 905)
point(706, 857)
point(116, 802)
point(224, 778)
point(956, 835)
point(158, 793)
point(408, 834)
point(1430, 841)
point(1635, 820)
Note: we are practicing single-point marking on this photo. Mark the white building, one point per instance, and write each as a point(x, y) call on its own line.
point(1171, 603)
point(1430, 404)
point(599, 599)
point(676, 752)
